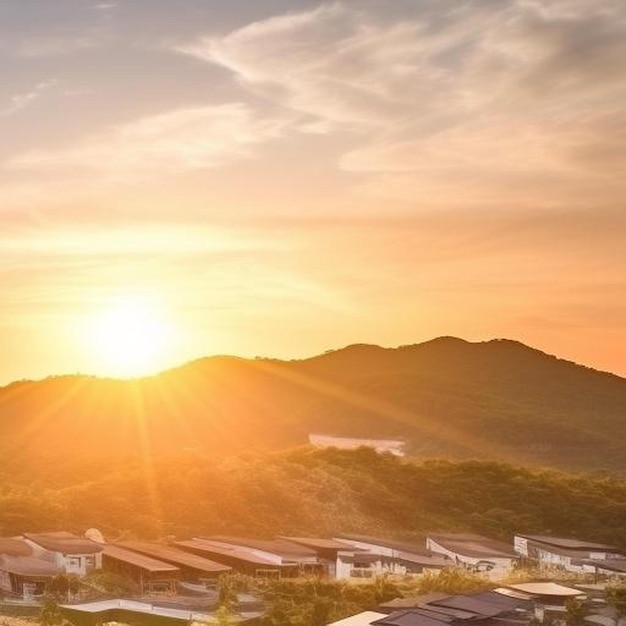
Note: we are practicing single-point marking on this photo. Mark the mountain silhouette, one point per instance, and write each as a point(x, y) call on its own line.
point(497, 399)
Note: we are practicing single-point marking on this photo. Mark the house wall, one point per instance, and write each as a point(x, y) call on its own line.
point(494, 567)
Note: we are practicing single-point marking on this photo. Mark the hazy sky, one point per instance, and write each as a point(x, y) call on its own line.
point(281, 177)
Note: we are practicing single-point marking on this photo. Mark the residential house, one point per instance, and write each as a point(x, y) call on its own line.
point(191, 566)
point(151, 575)
point(563, 553)
point(475, 552)
point(284, 558)
point(70, 553)
point(21, 575)
point(373, 556)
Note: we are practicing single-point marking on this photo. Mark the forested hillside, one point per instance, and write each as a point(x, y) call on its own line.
point(316, 492)
point(449, 398)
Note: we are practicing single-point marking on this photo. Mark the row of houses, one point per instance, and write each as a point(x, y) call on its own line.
point(511, 605)
point(29, 562)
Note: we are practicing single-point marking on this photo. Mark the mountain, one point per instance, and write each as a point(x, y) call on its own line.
point(498, 400)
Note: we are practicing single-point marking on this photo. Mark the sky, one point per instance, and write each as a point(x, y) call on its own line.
point(284, 177)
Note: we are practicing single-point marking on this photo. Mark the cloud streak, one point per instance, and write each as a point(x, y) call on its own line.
point(495, 98)
point(191, 138)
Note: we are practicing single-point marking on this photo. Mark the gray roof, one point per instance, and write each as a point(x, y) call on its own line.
point(64, 542)
point(412, 617)
point(280, 547)
point(475, 546)
point(569, 544)
point(402, 546)
point(614, 565)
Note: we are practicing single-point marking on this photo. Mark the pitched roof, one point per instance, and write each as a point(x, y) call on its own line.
point(412, 601)
point(138, 560)
point(231, 551)
point(615, 565)
point(64, 542)
point(360, 619)
point(402, 546)
point(319, 543)
point(280, 547)
point(569, 544)
point(413, 617)
point(475, 546)
point(469, 604)
point(546, 589)
point(14, 547)
point(177, 557)
point(28, 566)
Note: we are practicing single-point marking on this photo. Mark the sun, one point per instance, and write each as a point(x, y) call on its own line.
point(131, 337)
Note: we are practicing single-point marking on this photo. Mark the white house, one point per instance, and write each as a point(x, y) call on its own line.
point(475, 553)
point(70, 553)
point(564, 553)
point(371, 556)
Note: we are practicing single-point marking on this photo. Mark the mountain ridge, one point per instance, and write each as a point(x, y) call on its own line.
point(451, 398)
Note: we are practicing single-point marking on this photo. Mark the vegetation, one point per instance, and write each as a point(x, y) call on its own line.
point(497, 400)
point(320, 492)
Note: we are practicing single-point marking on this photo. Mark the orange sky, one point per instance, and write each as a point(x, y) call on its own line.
point(283, 177)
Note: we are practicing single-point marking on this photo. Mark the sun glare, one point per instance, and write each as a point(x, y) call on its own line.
point(131, 338)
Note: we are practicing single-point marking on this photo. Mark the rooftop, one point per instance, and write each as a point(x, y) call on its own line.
point(402, 546)
point(569, 544)
point(64, 542)
point(28, 566)
point(472, 545)
point(177, 557)
point(280, 547)
point(545, 589)
point(138, 560)
point(13, 546)
point(232, 551)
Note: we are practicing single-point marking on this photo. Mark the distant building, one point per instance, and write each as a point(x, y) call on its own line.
point(258, 557)
point(21, 575)
point(474, 552)
point(151, 575)
point(191, 567)
point(372, 556)
point(564, 553)
point(394, 446)
point(70, 553)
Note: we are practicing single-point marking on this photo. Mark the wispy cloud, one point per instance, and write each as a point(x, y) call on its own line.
point(191, 138)
point(22, 100)
point(497, 98)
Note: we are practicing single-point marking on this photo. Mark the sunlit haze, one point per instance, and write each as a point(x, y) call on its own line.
point(180, 178)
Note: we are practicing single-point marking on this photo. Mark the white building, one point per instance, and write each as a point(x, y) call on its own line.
point(564, 553)
point(70, 553)
point(371, 556)
point(475, 553)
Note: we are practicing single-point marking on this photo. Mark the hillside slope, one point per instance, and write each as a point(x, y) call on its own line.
point(493, 400)
point(319, 492)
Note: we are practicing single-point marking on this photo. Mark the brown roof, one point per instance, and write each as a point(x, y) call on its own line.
point(475, 546)
point(138, 560)
point(319, 543)
point(28, 566)
point(64, 542)
point(14, 547)
point(231, 551)
point(280, 547)
point(177, 557)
